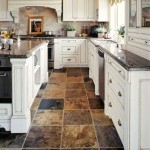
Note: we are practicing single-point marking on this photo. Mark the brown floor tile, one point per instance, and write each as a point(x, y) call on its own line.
point(56, 86)
point(111, 148)
point(36, 104)
point(43, 137)
point(96, 103)
point(75, 70)
point(57, 79)
point(91, 94)
point(76, 104)
point(99, 118)
point(75, 79)
point(77, 117)
point(89, 86)
point(54, 94)
point(75, 94)
point(108, 137)
point(61, 75)
point(75, 86)
point(48, 118)
point(78, 137)
point(74, 74)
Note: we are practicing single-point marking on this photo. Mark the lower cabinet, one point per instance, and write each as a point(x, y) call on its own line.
point(93, 59)
point(70, 53)
point(28, 74)
point(127, 103)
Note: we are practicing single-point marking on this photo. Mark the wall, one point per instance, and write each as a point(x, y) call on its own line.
point(50, 21)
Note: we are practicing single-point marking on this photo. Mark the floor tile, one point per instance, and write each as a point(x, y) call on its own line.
point(57, 79)
point(77, 117)
point(75, 79)
point(43, 137)
point(63, 75)
point(56, 86)
point(54, 94)
point(76, 103)
point(75, 86)
point(36, 104)
point(48, 118)
point(75, 94)
point(74, 69)
point(111, 148)
point(99, 118)
point(8, 140)
point(96, 103)
point(91, 94)
point(74, 74)
point(62, 70)
point(52, 104)
point(86, 69)
point(78, 137)
point(88, 80)
point(108, 137)
point(89, 86)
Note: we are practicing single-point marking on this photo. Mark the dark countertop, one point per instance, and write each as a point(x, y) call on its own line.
point(23, 50)
point(125, 58)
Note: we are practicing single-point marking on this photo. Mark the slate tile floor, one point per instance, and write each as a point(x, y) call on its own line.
point(66, 114)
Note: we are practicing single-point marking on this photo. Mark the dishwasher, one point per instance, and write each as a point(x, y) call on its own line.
point(101, 74)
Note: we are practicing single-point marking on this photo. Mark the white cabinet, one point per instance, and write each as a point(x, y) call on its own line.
point(127, 103)
point(93, 59)
point(77, 10)
point(103, 10)
point(4, 14)
point(70, 52)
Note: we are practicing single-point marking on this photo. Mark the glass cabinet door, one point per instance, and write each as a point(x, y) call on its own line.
point(132, 13)
point(145, 13)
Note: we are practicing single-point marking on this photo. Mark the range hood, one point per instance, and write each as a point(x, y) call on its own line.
point(14, 5)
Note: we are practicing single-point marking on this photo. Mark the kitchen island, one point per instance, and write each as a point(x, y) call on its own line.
point(29, 71)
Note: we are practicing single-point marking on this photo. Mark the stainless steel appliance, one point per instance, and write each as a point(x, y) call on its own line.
point(101, 74)
point(5, 80)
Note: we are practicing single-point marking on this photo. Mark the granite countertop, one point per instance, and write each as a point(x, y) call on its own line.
point(125, 58)
point(23, 50)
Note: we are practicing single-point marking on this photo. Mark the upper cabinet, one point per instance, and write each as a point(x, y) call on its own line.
point(103, 10)
point(77, 10)
point(4, 14)
point(139, 16)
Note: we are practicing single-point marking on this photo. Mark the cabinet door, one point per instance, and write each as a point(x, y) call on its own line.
point(91, 10)
point(4, 14)
point(83, 52)
point(81, 10)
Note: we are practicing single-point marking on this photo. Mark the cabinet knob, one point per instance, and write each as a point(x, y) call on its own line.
point(119, 71)
point(110, 104)
point(119, 94)
point(119, 123)
point(146, 42)
point(110, 81)
point(69, 59)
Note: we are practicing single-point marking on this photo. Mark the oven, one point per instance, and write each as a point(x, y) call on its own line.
point(51, 53)
point(5, 80)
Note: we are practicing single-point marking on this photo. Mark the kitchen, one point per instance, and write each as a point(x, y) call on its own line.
point(71, 93)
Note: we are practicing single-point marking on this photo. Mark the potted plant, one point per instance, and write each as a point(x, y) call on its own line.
point(70, 30)
point(121, 32)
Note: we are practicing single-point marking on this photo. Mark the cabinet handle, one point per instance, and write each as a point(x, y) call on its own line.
point(131, 39)
point(110, 81)
point(110, 104)
point(119, 94)
point(119, 71)
point(119, 123)
point(69, 59)
point(146, 42)
point(68, 49)
point(3, 75)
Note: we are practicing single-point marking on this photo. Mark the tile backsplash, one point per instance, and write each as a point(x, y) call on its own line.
point(50, 21)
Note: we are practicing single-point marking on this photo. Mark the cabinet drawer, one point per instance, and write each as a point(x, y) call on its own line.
point(117, 87)
point(120, 71)
point(69, 41)
point(5, 111)
point(69, 49)
point(69, 60)
point(117, 114)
